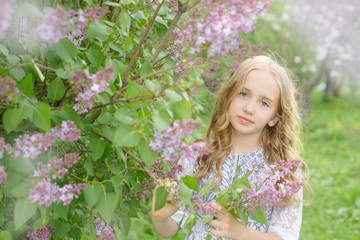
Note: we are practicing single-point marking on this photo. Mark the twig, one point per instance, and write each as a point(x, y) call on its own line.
point(137, 51)
point(169, 31)
point(141, 163)
point(159, 72)
point(28, 64)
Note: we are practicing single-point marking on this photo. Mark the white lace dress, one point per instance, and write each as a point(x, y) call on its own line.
point(285, 221)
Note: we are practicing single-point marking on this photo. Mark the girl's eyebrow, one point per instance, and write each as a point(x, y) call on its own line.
point(263, 97)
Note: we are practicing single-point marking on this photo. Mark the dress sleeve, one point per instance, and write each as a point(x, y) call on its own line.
point(286, 220)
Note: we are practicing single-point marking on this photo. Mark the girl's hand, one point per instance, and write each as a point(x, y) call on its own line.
point(226, 224)
point(167, 211)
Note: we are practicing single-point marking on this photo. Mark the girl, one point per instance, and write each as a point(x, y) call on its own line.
point(255, 121)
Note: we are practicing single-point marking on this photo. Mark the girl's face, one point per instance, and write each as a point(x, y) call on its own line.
point(256, 105)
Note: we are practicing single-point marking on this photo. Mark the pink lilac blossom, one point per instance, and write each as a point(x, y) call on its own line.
point(88, 86)
point(215, 27)
point(7, 89)
point(3, 175)
point(203, 208)
point(103, 232)
point(6, 12)
point(54, 26)
point(79, 21)
point(45, 192)
point(4, 147)
point(169, 142)
point(270, 188)
point(40, 233)
point(32, 146)
point(67, 132)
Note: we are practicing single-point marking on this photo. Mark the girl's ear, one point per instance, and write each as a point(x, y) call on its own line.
point(273, 121)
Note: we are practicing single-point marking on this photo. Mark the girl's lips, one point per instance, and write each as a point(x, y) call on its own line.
point(245, 120)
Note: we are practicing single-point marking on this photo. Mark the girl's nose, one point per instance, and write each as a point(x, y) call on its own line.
point(249, 108)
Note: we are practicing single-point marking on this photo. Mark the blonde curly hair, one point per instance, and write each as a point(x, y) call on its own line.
point(280, 142)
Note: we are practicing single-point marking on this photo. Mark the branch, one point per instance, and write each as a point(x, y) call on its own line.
point(160, 71)
point(27, 64)
point(192, 5)
point(141, 163)
point(178, 15)
point(142, 40)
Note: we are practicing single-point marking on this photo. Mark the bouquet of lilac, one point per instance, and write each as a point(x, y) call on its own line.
point(242, 199)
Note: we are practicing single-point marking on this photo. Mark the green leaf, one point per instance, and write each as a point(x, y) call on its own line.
point(124, 21)
point(41, 117)
point(185, 194)
point(260, 216)
point(27, 85)
point(107, 205)
point(207, 218)
point(190, 182)
point(92, 193)
point(61, 229)
point(94, 54)
point(124, 224)
point(4, 50)
point(132, 89)
point(21, 165)
point(173, 96)
point(97, 146)
point(125, 137)
point(17, 73)
point(5, 235)
point(146, 153)
point(146, 68)
point(66, 50)
point(124, 116)
point(243, 217)
point(60, 211)
point(88, 165)
point(112, 4)
point(206, 189)
point(189, 222)
point(160, 197)
point(161, 120)
point(13, 117)
point(208, 236)
point(56, 89)
point(23, 210)
point(182, 109)
point(62, 73)
point(98, 30)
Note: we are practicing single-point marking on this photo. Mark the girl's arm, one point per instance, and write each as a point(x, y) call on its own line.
point(229, 227)
point(162, 222)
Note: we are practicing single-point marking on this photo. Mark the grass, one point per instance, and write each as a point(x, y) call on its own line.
point(331, 141)
point(331, 148)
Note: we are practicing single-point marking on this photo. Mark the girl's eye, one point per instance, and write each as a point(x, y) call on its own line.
point(265, 104)
point(243, 94)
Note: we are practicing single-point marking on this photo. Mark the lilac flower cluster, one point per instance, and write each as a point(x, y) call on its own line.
point(215, 27)
point(203, 208)
point(6, 12)
point(270, 187)
point(67, 132)
point(226, 19)
point(45, 192)
point(40, 233)
point(7, 86)
point(58, 24)
point(30, 146)
point(170, 144)
point(79, 21)
point(86, 87)
point(3, 175)
point(147, 188)
point(53, 27)
point(103, 232)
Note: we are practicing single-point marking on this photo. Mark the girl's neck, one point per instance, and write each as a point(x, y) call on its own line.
point(245, 144)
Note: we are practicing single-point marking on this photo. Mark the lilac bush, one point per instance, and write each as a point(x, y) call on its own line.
point(88, 93)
